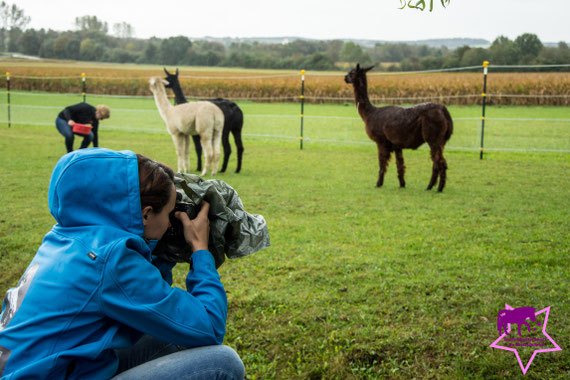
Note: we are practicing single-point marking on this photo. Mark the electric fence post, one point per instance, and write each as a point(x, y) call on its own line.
point(484, 96)
point(8, 98)
point(302, 105)
point(83, 87)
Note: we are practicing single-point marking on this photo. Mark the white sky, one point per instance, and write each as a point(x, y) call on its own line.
point(318, 19)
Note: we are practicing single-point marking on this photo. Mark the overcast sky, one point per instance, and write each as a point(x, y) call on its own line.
point(318, 19)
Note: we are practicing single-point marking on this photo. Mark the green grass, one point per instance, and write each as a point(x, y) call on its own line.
point(539, 128)
point(359, 282)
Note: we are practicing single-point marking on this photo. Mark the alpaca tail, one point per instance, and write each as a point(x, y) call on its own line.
point(449, 123)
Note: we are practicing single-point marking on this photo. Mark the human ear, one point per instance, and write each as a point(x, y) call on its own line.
point(146, 214)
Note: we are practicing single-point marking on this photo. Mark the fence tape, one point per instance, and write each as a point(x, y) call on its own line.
point(276, 98)
point(306, 116)
point(339, 142)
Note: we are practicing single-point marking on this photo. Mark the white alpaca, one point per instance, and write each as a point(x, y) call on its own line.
point(195, 118)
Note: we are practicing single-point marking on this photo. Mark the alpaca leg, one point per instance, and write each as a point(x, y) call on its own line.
point(442, 166)
point(239, 145)
point(216, 138)
point(206, 141)
point(208, 156)
point(178, 146)
point(435, 154)
point(383, 158)
point(401, 167)
point(227, 149)
point(198, 148)
point(186, 154)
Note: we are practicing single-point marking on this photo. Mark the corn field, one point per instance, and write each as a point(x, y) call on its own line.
point(278, 86)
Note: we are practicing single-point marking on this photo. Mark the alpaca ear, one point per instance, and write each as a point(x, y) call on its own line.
point(357, 66)
point(177, 71)
point(368, 68)
point(165, 82)
point(166, 71)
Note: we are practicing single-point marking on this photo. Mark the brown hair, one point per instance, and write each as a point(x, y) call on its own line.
point(104, 111)
point(155, 181)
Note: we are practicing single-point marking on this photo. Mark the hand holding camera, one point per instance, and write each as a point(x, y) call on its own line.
point(197, 230)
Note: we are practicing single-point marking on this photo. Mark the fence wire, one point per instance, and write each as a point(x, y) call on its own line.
point(338, 130)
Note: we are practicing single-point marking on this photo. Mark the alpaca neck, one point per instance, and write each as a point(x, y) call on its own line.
point(161, 100)
point(361, 96)
point(178, 94)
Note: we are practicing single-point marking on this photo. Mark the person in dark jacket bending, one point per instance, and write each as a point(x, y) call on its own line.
point(82, 113)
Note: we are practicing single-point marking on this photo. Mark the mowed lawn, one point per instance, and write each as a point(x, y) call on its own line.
point(359, 281)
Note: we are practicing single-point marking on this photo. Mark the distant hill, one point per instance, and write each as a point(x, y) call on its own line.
point(451, 43)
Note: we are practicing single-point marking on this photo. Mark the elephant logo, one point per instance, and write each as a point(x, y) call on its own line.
point(520, 315)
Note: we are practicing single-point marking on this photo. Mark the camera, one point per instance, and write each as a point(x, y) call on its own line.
point(173, 246)
point(233, 232)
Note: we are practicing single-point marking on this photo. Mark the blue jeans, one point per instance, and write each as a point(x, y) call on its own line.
point(151, 358)
point(66, 131)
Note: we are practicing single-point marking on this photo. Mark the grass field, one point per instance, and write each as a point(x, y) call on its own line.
point(359, 282)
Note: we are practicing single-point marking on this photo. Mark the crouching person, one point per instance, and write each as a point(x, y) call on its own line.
point(94, 304)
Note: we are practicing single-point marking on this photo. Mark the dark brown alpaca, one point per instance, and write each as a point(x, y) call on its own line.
point(395, 128)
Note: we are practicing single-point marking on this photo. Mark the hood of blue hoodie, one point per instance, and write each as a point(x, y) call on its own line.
point(97, 187)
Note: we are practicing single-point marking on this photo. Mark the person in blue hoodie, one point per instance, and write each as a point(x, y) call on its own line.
point(94, 303)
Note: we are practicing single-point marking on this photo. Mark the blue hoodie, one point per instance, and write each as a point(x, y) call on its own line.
point(91, 287)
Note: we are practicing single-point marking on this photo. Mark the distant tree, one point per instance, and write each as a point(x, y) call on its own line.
point(30, 42)
point(318, 61)
point(554, 55)
point(46, 50)
point(123, 30)
point(563, 55)
point(430, 63)
point(411, 64)
point(59, 46)
point(352, 52)
point(90, 50)
point(72, 48)
point(529, 46)
point(205, 46)
point(11, 18)
point(450, 61)
point(173, 50)
point(203, 58)
point(460, 51)
point(150, 53)
point(119, 55)
point(302, 47)
point(333, 49)
point(474, 57)
point(14, 36)
point(91, 23)
point(503, 51)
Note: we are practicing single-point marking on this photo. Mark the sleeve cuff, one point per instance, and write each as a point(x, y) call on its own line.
point(203, 258)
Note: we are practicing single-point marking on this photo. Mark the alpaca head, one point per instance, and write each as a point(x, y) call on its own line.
point(356, 73)
point(170, 78)
point(156, 82)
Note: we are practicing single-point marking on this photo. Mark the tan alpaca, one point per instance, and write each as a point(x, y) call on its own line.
point(195, 118)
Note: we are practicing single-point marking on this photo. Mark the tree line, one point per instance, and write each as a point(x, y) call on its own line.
point(92, 41)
